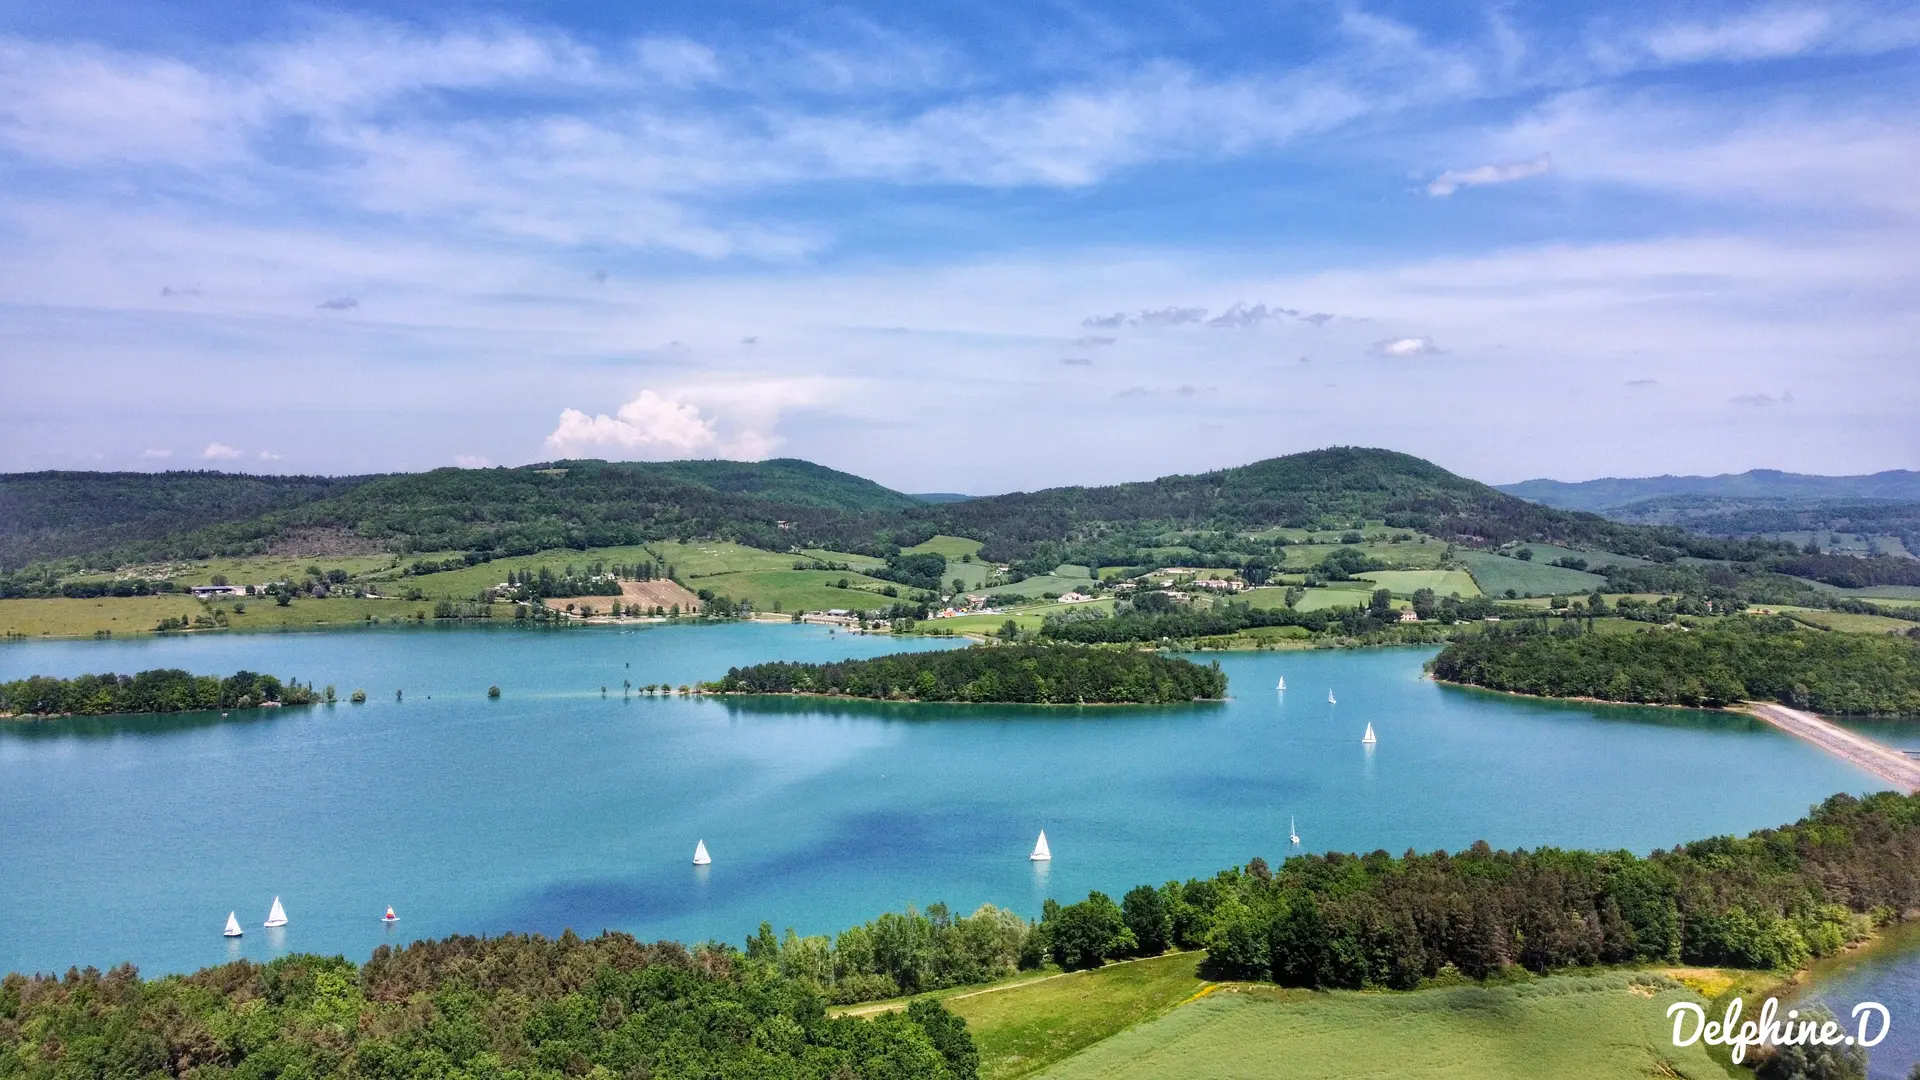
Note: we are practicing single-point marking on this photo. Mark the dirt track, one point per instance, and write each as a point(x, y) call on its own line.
point(1884, 762)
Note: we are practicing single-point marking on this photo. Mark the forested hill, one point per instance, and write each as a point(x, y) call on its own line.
point(47, 515)
point(556, 504)
point(1611, 493)
point(1316, 489)
point(782, 504)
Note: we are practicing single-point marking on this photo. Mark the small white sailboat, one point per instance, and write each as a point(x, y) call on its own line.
point(389, 916)
point(1041, 853)
point(700, 856)
point(278, 915)
point(1282, 684)
point(1330, 700)
point(233, 925)
point(1369, 738)
point(1293, 831)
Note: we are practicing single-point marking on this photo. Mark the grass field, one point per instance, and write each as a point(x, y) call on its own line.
point(1546, 553)
point(1336, 594)
point(802, 590)
point(1596, 1027)
point(858, 562)
point(978, 624)
point(719, 557)
point(1847, 623)
point(63, 617)
point(1442, 582)
point(1495, 574)
point(1063, 579)
point(252, 570)
point(1409, 555)
point(1027, 1027)
point(951, 546)
point(466, 582)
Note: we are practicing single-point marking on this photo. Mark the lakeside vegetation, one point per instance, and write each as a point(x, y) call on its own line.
point(1027, 674)
point(503, 1008)
point(1751, 658)
point(161, 690)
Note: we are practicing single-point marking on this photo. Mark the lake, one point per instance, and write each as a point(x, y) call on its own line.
point(555, 806)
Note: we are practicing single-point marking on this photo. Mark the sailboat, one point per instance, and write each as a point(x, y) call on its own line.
point(1040, 851)
point(1293, 831)
point(1368, 738)
point(389, 916)
point(700, 856)
point(233, 925)
point(1282, 684)
point(1330, 700)
point(278, 915)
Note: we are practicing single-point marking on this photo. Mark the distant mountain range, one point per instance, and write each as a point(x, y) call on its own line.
point(1771, 485)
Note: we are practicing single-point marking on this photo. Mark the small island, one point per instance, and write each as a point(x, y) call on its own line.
point(1014, 674)
point(1743, 658)
point(161, 690)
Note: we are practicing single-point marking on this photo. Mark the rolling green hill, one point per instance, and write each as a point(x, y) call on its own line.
point(1611, 493)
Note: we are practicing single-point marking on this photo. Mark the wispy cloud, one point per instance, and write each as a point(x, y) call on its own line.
point(1451, 181)
point(1077, 361)
point(472, 461)
point(1403, 347)
point(339, 303)
point(153, 454)
point(1761, 401)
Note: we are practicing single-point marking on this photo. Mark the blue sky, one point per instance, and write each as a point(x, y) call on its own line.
point(961, 246)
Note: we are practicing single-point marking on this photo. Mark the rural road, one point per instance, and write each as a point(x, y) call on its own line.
point(1884, 762)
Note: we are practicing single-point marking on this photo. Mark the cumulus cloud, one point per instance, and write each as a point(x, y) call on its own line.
point(648, 426)
point(472, 461)
point(339, 303)
point(156, 454)
point(217, 451)
point(1504, 173)
point(1403, 347)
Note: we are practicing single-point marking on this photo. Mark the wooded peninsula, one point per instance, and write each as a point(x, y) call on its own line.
point(161, 690)
point(1745, 659)
point(1019, 674)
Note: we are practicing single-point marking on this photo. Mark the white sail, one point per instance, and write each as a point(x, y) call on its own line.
point(277, 916)
point(700, 856)
point(1368, 737)
point(1293, 832)
point(1040, 851)
point(1282, 684)
point(233, 925)
point(1330, 700)
point(389, 916)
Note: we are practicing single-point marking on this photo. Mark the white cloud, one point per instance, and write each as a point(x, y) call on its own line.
point(268, 455)
point(156, 454)
point(1401, 348)
point(1769, 32)
point(472, 461)
point(648, 426)
point(1451, 181)
point(219, 452)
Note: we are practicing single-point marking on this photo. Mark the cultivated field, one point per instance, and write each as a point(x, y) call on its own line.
point(803, 590)
point(1495, 574)
point(1546, 553)
point(1023, 1029)
point(62, 617)
point(953, 547)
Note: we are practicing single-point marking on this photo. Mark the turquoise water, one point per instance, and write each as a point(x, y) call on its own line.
point(554, 807)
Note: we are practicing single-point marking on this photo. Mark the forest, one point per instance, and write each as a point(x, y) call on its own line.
point(160, 690)
point(503, 1008)
point(1025, 674)
point(1748, 658)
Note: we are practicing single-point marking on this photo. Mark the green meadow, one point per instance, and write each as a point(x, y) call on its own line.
point(953, 547)
point(1495, 574)
point(1546, 553)
point(1407, 582)
point(801, 590)
point(1593, 1026)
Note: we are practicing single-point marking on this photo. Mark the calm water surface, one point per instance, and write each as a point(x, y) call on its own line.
point(555, 806)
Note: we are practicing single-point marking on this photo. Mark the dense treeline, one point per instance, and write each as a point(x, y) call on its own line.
point(906, 952)
point(1226, 619)
point(1852, 571)
point(507, 1008)
point(1760, 659)
point(1034, 674)
point(156, 691)
point(50, 515)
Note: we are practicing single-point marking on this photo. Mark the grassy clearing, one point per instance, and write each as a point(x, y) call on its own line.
point(467, 582)
point(1847, 623)
point(1405, 582)
point(802, 590)
point(978, 624)
point(719, 557)
point(858, 562)
point(1407, 555)
point(1062, 580)
point(953, 547)
point(62, 617)
point(249, 570)
point(1495, 574)
point(1028, 1026)
point(1596, 1027)
point(1546, 553)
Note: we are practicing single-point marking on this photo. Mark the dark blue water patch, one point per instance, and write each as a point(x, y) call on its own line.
point(1891, 977)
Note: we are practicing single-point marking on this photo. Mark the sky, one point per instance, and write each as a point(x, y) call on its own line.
point(960, 247)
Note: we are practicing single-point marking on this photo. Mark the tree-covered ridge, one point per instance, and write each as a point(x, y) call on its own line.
point(1031, 674)
point(507, 1008)
point(160, 690)
point(50, 515)
point(1771, 659)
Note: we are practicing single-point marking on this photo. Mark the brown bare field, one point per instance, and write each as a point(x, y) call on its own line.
point(648, 594)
